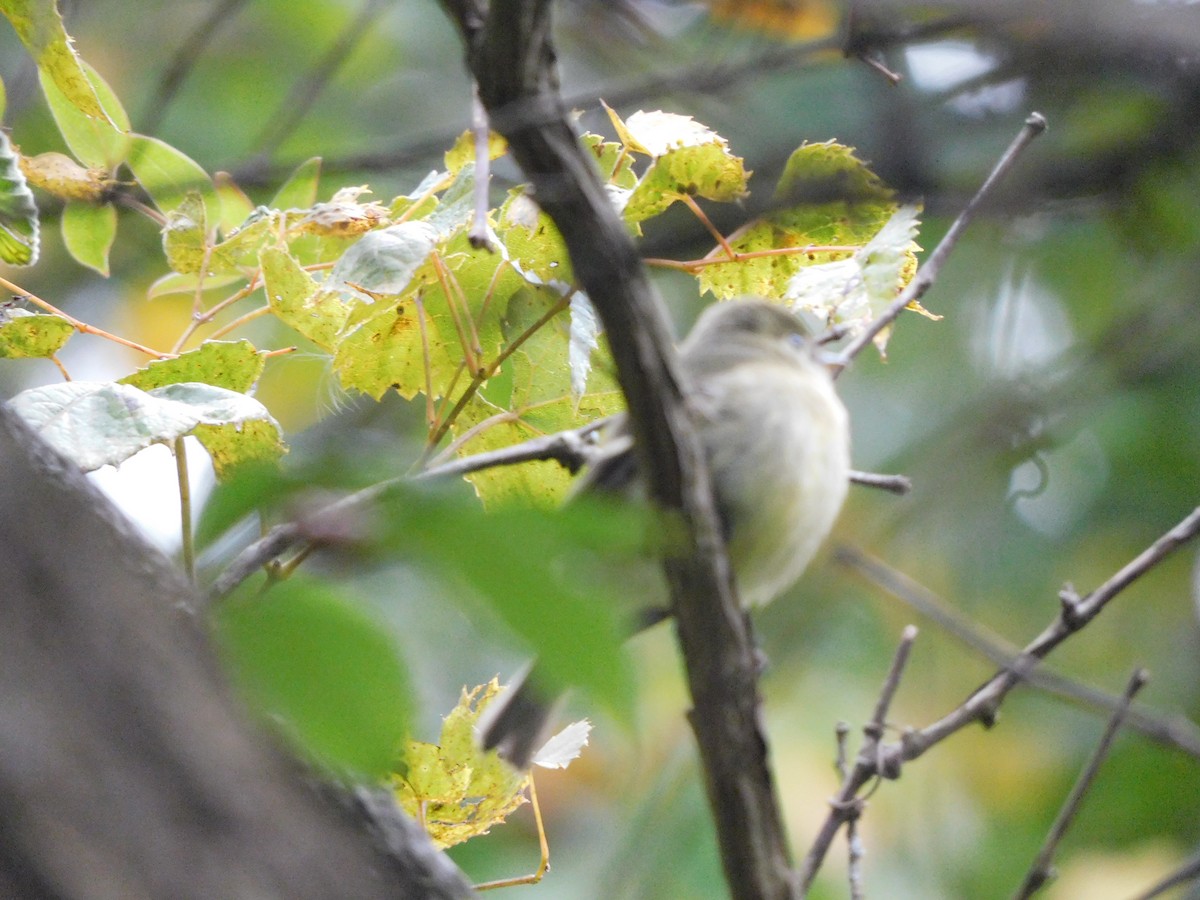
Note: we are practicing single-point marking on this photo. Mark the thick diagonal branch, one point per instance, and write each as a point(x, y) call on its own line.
point(510, 55)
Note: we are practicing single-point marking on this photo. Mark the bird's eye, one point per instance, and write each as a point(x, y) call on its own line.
point(797, 340)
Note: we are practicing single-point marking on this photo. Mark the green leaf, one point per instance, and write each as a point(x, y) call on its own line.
point(830, 199)
point(527, 564)
point(234, 445)
point(233, 365)
point(322, 670)
point(417, 347)
point(616, 163)
point(384, 261)
point(99, 142)
point(98, 424)
point(300, 189)
point(463, 151)
point(174, 283)
point(708, 170)
point(532, 241)
point(853, 292)
point(236, 207)
point(532, 396)
point(183, 235)
point(168, 175)
point(28, 335)
point(88, 232)
point(299, 301)
point(40, 28)
point(18, 211)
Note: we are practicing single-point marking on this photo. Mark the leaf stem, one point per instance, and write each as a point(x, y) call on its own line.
point(187, 545)
point(81, 326)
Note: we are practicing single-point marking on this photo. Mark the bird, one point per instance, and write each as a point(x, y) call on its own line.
point(776, 439)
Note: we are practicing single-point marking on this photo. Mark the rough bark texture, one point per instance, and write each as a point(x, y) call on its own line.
point(126, 769)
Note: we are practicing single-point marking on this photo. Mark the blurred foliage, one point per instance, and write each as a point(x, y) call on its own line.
point(1051, 422)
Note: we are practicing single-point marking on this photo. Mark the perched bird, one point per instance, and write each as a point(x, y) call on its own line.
point(777, 442)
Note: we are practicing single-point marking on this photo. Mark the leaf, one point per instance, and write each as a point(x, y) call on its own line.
point(456, 791)
point(584, 341)
point(463, 151)
point(300, 189)
point(18, 211)
point(533, 242)
point(317, 666)
point(616, 163)
point(236, 207)
point(527, 565)
point(456, 205)
point(98, 141)
point(26, 335)
point(708, 170)
point(183, 235)
point(234, 445)
point(342, 216)
point(831, 200)
point(383, 261)
point(657, 133)
point(40, 28)
point(233, 365)
point(560, 750)
point(168, 175)
point(58, 174)
point(99, 424)
point(174, 283)
point(88, 232)
point(854, 291)
point(299, 302)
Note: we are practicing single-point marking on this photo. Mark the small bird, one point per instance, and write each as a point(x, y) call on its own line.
point(777, 442)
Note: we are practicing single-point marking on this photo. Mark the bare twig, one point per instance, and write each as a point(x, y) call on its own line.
point(1042, 868)
point(893, 484)
point(932, 266)
point(481, 133)
point(983, 703)
point(854, 848)
point(1189, 871)
point(1175, 731)
point(847, 805)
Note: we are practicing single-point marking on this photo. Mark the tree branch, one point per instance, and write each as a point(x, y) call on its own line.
point(1176, 731)
point(1042, 869)
point(982, 704)
point(511, 57)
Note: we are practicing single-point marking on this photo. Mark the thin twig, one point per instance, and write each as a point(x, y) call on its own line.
point(983, 703)
point(1175, 731)
point(187, 547)
point(929, 270)
point(481, 134)
point(1189, 871)
point(847, 805)
point(893, 484)
point(78, 325)
point(854, 849)
point(1042, 869)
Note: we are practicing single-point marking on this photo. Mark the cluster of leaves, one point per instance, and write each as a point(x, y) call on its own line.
point(498, 340)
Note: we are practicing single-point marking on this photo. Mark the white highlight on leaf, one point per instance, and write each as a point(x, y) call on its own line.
point(853, 291)
point(585, 331)
point(384, 261)
point(99, 424)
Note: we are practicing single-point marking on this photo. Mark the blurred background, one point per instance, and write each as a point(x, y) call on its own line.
point(1050, 421)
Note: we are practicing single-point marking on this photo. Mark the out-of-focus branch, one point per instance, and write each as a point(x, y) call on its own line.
point(982, 705)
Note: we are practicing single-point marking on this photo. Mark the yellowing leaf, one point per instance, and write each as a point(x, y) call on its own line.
point(24, 334)
point(463, 151)
point(707, 170)
point(656, 133)
point(99, 142)
point(833, 201)
point(453, 789)
point(234, 365)
point(299, 301)
point(796, 20)
point(853, 291)
point(40, 28)
point(58, 174)
point(183, 235)
point(169, 175)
